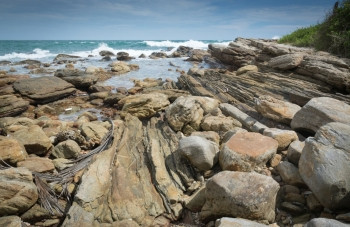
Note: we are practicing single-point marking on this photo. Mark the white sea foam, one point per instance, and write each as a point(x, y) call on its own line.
point(190, 43)
point(36, 54)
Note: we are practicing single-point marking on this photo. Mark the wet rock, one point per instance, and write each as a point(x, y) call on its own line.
point(237, 194)
point(294, 151)
point(106, 58)
point(287, 61)
point(12, 151)
point(283, 137)
point(64, 58)
point(106, 53)
point(67, 149)
point(37, 164)
point(197, 55)
point(320, 111)
point(182, 51)
point(202, 153)
point(44, 89)
point(120, 67)
point(123, 56)
point(144, 105)
point(219, 123)
point(113, 99)
point(18, 192)
point(186, 113)
point(275, 109)
point(77, 77)
point(245, 150)
point(247, 68)
point(325, 167)
point(156, 55)
point(34, 140)
point(290, 174)
point(28, 62)
point(142, 56)
point(231, 222)
point(11, 105)
point(11, 221)
point(320, 222)
point(4, 62)
point(295, 198)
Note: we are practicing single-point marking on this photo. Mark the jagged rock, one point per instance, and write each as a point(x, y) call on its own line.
point(123, 56)
point(245, 150)
point(290, 174)
point(313, 204)
point(219, 123)
point(17, 191)
point(236, 222)
point(247, 68)
point(320, 222)
point(12, 151)
point(113, 99)
point(11, 221)
point(196, 201)
point(197, 55)
point(44, 89)
point(61, 163)
point(320, 111)
point(28, 62)
point(119, 67)
point(294, 151)
point(78, 78)
point(64, 58)
point(182, 51)
point(209, 135)
point(275, 109)
point(37, 164)
point(93, 131)
point(237, 194)
point(67, 149)
point(324, 165)
point(106, 53)
point(10, 79)
point(186, 113)
point(11, 105)
point(326, 72)
point(144, 105)
point(283, 137)
point(202, 153)
point(34, 140)
point(287, 61)
point(156, 55)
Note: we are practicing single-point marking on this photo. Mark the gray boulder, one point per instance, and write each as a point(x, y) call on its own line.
point(237, 222)
point(237, 194)
point(324, 165)
point(287, 61)
point(78, 78)
point(325, 222)
point(320, 111)
point(289, 174)
point(201, 152)
point(17, 191)
point(294, 151)
point(123, 56)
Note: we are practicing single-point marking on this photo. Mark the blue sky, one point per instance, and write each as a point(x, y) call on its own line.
point(156, 19)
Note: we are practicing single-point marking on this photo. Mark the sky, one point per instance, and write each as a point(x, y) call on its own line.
point(156, 19)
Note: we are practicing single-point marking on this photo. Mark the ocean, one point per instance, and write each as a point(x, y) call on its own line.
point(46, 50)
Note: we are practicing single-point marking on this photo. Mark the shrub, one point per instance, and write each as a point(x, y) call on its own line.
point(301, 36)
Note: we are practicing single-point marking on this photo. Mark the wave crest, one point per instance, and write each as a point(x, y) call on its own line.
point(36, 54)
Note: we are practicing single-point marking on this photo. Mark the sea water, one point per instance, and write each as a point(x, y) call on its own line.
point(46, 50)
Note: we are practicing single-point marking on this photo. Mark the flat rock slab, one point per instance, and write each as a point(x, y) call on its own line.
point(11, 105)
point(44, 89)
point(245, 150)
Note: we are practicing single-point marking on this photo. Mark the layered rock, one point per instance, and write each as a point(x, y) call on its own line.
point(12, 151)
point(287, 61)
point(324, 165)
point(17, 191)
point(44, 89)
point(37, 164)
point(245, 195)
point(283, 137)
point(245, 150)
point(11, 105)
point(77, 77)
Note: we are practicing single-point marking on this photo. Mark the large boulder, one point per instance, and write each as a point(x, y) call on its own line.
point(11, 151)
point(237, 194)
point(44, 89)
point(104, 53)
point(276, 109)
point(17, 191)
point(11, 105)
point(123, 56)
point(287, 61)
point(78, 78)
point(320, 111)
point(324, 165)
point(34, 140)
point(245, 150)
point(325, 222)
point(144, 105)
point(201, 152)
point(186, 113)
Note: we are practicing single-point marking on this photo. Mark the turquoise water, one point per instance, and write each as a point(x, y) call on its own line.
point(46, 50)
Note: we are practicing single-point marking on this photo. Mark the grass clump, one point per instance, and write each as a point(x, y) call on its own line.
point(332, 35)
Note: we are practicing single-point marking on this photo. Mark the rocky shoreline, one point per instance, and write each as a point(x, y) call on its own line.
point(261, 138)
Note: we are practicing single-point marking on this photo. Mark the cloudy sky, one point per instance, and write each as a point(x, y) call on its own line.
point(156, 19)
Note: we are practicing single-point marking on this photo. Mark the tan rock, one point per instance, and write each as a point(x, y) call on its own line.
point(283, 137)
point(11, 105)
point(37, 164)
point(12, 151)
point(275, 109)
point(275, 160)
point(93, 131)
point(209, 135)
point(10, 221)
point(247, 68)
point(219, 123)
point(17, 191)
point(245, 150)
point(287, 61)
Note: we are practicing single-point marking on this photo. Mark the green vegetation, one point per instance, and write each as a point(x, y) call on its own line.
point(332, 35)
